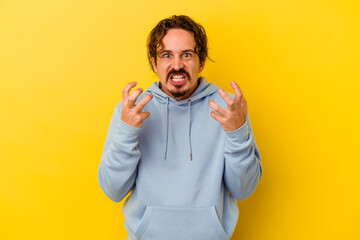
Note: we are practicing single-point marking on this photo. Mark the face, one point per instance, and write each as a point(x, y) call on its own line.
point(177, 64)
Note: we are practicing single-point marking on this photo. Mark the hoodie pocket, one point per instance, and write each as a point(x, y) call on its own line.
point(164, 223)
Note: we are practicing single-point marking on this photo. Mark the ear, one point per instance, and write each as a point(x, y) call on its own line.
point(201, 67)
point(154, 65)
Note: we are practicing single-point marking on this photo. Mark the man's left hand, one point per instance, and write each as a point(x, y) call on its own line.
point(234, 116)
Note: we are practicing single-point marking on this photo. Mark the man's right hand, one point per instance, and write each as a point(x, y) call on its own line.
point(132, 114)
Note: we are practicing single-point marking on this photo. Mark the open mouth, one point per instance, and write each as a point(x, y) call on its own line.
point(178, 79)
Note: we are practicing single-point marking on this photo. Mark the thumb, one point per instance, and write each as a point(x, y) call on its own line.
point(145, 115)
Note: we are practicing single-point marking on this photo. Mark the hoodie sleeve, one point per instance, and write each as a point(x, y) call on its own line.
point(243, 168)
point(118, 167)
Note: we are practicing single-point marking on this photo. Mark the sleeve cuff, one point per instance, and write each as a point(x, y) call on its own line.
point(241, 134)
point(127, 130)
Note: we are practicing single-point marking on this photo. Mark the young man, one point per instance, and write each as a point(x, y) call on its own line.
point(184, 147)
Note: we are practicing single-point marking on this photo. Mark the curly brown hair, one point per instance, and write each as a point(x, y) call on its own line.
point(181, 22)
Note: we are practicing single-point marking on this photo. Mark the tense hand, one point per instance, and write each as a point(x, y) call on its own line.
point(132, 114)
point(234, 116)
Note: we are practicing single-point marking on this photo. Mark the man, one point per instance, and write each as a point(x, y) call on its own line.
point(184, 147)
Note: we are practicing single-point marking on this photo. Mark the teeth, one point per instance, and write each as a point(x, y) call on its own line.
point(177, 78)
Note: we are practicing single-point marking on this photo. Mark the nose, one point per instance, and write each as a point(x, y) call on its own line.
point(177, 63)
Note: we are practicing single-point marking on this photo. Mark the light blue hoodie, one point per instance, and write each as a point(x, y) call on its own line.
point(183, 169)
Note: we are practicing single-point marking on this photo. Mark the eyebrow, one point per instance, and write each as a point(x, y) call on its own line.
point(168, 51)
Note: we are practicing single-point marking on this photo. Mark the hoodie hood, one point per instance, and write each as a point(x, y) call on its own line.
point(203, 90)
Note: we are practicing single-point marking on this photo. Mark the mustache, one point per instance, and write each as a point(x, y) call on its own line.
point(181, 70)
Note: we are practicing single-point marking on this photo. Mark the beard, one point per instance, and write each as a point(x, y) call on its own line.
point(179, 92)
point(180, 71)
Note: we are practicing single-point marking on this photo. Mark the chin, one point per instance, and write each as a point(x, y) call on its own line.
point(178, 94)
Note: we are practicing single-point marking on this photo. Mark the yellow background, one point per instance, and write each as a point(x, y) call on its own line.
point(64, 63)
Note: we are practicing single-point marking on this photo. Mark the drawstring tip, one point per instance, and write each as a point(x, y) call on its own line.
point(190, 157)
point(164, 156)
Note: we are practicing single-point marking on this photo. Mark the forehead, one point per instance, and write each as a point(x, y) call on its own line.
point(178, 40)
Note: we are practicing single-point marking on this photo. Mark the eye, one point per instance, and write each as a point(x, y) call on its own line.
point(166, 55)
point(187, 55)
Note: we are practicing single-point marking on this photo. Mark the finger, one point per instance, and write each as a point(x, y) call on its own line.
point(217, 117)
point(237, 90)
point(217, 108)
point(126, 91)
point(226, 97)
point(243, 105)
point(145, 115)
point(143, 102)
point(133, 96)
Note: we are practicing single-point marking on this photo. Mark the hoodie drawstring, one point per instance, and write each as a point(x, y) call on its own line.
point(189, 132)
point(166, 126)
